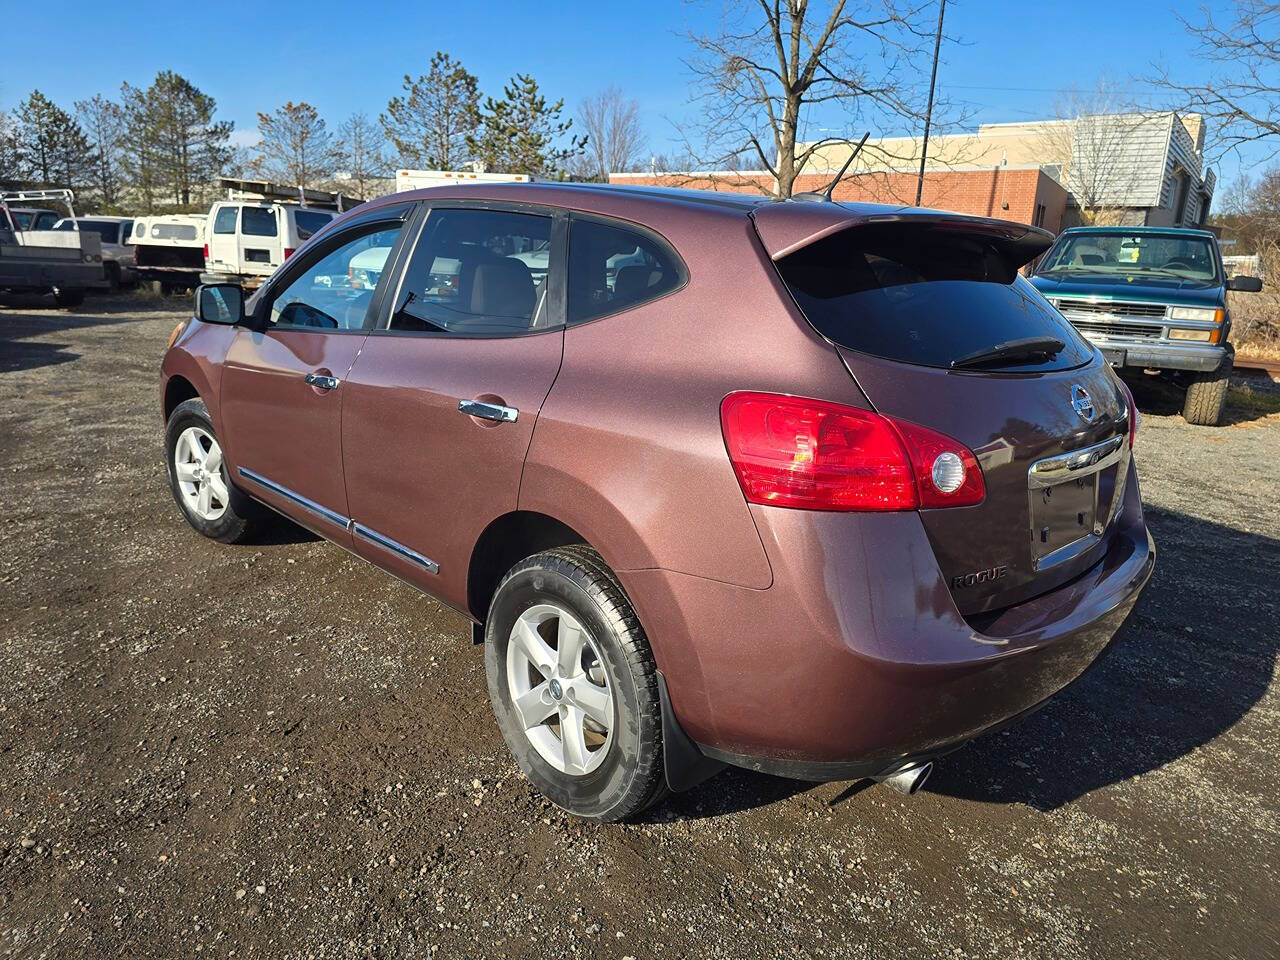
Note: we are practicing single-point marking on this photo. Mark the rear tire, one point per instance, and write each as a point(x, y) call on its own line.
point(113, 276)
point(68, 299)
point(199, 479)
point(1207, 396)
point(572, 585)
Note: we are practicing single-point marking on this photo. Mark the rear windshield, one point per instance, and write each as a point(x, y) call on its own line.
point(258, 222)
point(109, 231)
point(1162, 255)
point(921, 296)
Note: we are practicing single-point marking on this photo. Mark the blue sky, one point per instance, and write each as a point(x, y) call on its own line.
point(342, 56)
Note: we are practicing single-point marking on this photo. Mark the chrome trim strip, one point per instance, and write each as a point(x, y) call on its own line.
point(1076, 463)
point(320, 511)
point(397, 548)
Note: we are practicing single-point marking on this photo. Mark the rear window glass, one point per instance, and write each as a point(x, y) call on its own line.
point(22, 218)
point(309, 221)
point(107, 231)
point(918, 296)
point(225, 221)
point(258, 222)
point(185, 231)
point(612, 268)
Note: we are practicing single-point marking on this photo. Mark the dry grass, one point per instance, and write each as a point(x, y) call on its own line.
point(1256, 316)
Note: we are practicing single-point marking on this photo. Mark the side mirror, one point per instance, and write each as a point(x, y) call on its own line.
point(1244, 284)
point(220, 303)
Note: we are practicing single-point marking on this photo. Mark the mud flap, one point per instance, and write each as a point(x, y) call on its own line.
point(684, 765)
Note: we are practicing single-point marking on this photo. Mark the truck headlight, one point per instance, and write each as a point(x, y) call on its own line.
point(1196, 313)
point(1204, 335)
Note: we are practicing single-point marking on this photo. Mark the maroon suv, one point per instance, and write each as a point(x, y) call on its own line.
point(818, 489)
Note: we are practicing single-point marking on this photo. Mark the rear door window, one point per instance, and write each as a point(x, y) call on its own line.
point(477, 273)
point(613, 268)
point(225, 221)
point(258, 222)
point(923, 296)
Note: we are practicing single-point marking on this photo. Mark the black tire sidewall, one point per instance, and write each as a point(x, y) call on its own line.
point(231, 525)
point(611, 786)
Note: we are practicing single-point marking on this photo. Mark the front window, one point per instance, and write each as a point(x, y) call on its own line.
point(1119, 254)
point(334, 291)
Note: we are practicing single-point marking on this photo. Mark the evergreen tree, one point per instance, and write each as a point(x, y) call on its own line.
point(522, 133)
point(175, 147)
point(433, 123)
point(296, 148)
point(10, 157)
point(51, 144)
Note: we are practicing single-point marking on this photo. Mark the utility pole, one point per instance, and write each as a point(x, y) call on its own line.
point(928, 113)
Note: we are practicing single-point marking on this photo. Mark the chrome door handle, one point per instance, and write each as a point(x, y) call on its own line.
point(321, 382)
point(488, 411)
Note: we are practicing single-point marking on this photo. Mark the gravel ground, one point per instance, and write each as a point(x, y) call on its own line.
point(278, 751)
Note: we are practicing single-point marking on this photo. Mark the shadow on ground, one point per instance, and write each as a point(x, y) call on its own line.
point(19, 352)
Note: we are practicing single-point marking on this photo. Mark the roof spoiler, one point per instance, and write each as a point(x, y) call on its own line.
point(786, 227)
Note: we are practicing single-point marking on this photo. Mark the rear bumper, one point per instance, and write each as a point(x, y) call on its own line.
point(856, 659)
point(1159, 355)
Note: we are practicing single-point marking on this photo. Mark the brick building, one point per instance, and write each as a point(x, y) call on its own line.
point(1138, 168)
point(1025, 193)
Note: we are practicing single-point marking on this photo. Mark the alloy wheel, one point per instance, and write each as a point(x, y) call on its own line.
point(197, 465)
point(559, 689)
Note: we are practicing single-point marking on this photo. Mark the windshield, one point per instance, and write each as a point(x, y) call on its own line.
point(1172, 255)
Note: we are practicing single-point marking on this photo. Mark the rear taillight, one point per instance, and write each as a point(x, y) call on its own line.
point(1135, 417)
point(288, 252)
point(816, 455)
point(206, 251)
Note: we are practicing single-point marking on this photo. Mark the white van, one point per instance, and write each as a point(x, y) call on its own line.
point(246, 240)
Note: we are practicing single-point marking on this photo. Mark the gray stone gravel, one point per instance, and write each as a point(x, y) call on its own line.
point(278, 751)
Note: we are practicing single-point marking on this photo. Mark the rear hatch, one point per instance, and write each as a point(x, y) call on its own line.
point(912, 301)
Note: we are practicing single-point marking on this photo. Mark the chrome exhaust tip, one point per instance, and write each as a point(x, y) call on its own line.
point(907, 780)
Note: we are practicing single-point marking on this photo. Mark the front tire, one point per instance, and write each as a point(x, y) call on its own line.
point(199, 480)
point(574, 685)
point(1207, 397)
point(67, 299)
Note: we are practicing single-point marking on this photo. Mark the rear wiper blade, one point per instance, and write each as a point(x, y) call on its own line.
point(1028, 348)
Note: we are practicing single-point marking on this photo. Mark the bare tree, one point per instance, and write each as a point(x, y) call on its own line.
point(360, 149)
point(431, 124)
point(1240, 94)
point(296, 148)
point(772, 62)
point(104, 124)
point(611, 122)
point(1090, 139)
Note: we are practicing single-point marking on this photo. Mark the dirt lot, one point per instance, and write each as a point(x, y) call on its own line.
point(279, 751)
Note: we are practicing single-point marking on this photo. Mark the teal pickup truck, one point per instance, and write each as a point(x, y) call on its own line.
point(1152, 298)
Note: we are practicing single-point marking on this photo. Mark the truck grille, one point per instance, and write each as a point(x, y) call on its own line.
point(1113, 328)
point(1111, 308)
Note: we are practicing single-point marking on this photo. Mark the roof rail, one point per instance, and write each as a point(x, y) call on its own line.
point(240, 189)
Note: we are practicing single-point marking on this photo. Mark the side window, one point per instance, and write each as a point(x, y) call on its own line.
point(477, 272)
point(309, 222)
point(225, 221)
point(258, 222)
point(126, 229)
point(335, 287)
point(45, 221)
point(613, 268)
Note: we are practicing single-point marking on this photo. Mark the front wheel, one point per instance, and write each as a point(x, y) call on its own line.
point(199, 480)
point(574, 685)
point(1207, 397)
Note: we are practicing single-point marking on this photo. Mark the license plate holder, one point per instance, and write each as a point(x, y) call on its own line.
point(1062, 515)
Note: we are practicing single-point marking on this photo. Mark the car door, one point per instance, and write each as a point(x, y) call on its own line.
point(441, 403)
point(261, 250)
point(223, 250)
point(283, 380)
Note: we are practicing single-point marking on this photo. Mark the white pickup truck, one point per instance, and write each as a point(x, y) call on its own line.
point(64, 263)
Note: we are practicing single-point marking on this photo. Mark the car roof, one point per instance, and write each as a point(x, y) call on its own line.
point(1139, 231)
